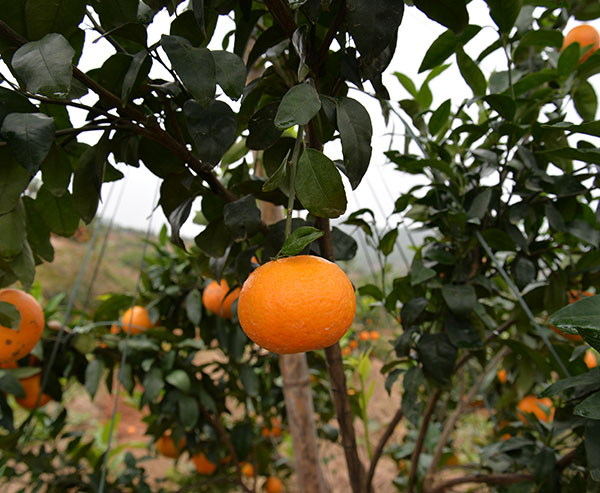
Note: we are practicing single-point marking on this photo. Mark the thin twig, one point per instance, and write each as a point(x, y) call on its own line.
point(380, 446)
point(281, 12)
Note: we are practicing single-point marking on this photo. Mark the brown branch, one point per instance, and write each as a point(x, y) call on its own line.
point(329, 36)
point(280, 11)
point(483, 478)
point(414, 460)
point(217, 425)
point(380, 446)
point(451, 423)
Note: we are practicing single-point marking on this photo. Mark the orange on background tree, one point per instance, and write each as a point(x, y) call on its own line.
point(506, 195)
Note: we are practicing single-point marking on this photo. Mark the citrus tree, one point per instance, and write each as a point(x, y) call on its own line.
point(508, 205)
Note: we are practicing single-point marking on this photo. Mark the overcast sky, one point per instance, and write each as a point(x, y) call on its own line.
point(133, 199)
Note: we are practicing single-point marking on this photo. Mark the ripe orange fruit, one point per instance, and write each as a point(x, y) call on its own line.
point(531, 404)
point(274, 431)
point(353, 344)
point(590, 359)
point(374, 335)
point(586, 36)
point(216, 300)
point(166, 446)
point(296, 304)
point(203, 465)
point(452, 461)
point(501, 375)
point(136, 320)
point(364, 335)
point(14, 344)
point(346, 351)
point(115, 329)
point(273, 485)
point(247, 469)
point(32, 387)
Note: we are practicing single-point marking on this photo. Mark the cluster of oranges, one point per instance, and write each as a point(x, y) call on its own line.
point(165, 445)
point(364, 336)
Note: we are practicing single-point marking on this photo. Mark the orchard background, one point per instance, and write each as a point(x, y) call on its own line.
point(473, 386)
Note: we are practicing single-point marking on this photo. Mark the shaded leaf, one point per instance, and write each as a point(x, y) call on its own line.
point(10, 317)
point(242, 218)
point(438, 356)
point(461, 298)
point(93, 374)
point(230, 73)
point(354, 124)
point(298, 106)
point(299, 239)
point(450, 13)
point(179, 379)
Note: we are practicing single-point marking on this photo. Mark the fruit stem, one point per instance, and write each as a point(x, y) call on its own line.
point(292, 165)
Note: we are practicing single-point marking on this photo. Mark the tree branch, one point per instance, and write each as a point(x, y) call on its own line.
point(282, 15)
point(483, 478)
point(380, 446)
point(340, 15)
point(414, 459)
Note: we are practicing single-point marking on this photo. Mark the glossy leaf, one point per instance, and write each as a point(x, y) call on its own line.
point(299, 239)
point(299, 106)
point(195, 67)
point(242, 218)
point(319, 186)
point(30, 136)
point(45, 65)
point(354, 124)
point(213, 129)
point(277, 178)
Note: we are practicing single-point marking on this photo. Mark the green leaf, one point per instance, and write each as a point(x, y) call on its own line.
point(371, 290)
point(440, 117)
point(193, 306)
point(479, 206)
point(13, 180)
point(23, 266)
point(12, 232)
point(11, 385)
point(586, 101)
point(30, 136)
point(93, 374)
point(45, 65)
point(386, 244)
point(471, 73)
point(592, 448)
point(523, 271)
point(584, 313)
point(568, 60)
point(214, 240)
point(298, 107)
point(188, 411)
point(53, 16)
point(407, 83)
point(438, 356)
point(439, 51)
point(153, 384)
point(461, 298)
point(419, 273)
point(319, 185)
point(213, 129)
point(412, 310)
point(504, 105)
point(10, 317)
point(354, 124)
point(230, 73)
point(250, 380)
point(462, 333)
point(541, 37)
point(590, 378)
point(450, 13)
point(364, 367)
point(132, 73)
point(13, 102)
point(262, 132)
point(276, 179)
point(373, 25)
point(56, 170)
point(589, 408)
point(242, 218)
point(298, 240)
point(504, 13)
point(88, 178)
point(195, 67)
point(179, 379)
point(57, 212)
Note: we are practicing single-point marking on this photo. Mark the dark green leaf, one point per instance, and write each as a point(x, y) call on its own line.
point(188, 411)
point(153, 384)
point(23, 266)
point(30, 136)
point(589, 408)
point(592, 448)
point(523, 271)
point(276, 179)
point(568, 60)
point(319, 185)
point(13, 102)
point(504, 105)
point(412, 310)
point(584, 313)
point(438, 356)
point(179, 379)
point(541, 37)
point(230, 73)
point(586, 101)
point(12, 232)
point(411, 404)
point(373, 25)
point(354, 124)
point(298, 106)
point(462, 333)
point(439, 118)
point(450, 13)
point(241, 437)
point(371, 290)
point(11, 385)
point(387, 243)
point(212, 129)
point(479, 206)
point(10, 317)
point(53, 16)
point(262, 132)
point(590, 378)
point(45, 65)
point(242, 218)
point(88, 178)
point(461, 299)
point(132, 73)
point(249, 380)
point(214, 240)
point(195, 67)
point(13, 180)
point(419, 273)
point(93, 374)
point(193, 306)
point(57, 170)
point(504, 13)
point(57, 212)
point(471, 73)
point(439, 51)
point(299, 240)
